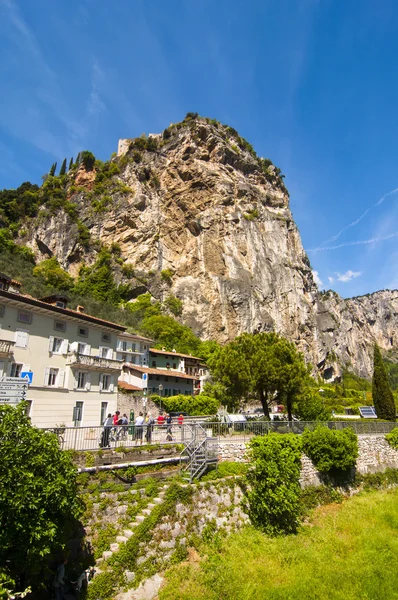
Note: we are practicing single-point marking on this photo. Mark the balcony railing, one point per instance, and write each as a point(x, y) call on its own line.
point(93, 362)
point(6, 347)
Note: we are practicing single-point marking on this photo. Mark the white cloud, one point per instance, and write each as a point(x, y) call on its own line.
point(317, 279)
point(331, 279)
point(348, 275)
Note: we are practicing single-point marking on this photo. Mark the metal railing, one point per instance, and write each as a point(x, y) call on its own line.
point(96, 362)
point(128, 436)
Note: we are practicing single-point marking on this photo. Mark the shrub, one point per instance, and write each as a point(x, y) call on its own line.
point(166, 275)
point(392, 438)
point(87, 159)
point(331, 450)
point(251, 215)
point(193, 405)
point(273, 495)
point(174, 305)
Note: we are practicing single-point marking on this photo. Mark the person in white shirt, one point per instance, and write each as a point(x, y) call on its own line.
point(139, 427)
point(108, 423)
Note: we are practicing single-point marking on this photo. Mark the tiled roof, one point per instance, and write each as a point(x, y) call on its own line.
point(26, 299)
point(171, 353)
point(127, 386)
point(164, 372)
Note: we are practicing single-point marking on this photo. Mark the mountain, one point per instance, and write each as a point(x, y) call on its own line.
point(194, 213)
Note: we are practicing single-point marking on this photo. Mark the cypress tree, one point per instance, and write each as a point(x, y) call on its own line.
point(53, 169)
point(78, 159)
point(383, 398)
point(62, 170)
point(70, 163)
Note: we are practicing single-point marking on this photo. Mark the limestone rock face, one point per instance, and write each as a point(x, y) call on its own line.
point(197, 201)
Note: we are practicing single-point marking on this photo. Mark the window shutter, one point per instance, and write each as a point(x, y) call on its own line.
point(74, 375)
point(109, 353)
point(88, 382)
point(74, 346)
point(101, 385)
point(87, 349)
point(50, 343)
point(60, 378)
point(64, 347)
point(46, 374)
point(21, 338)
point(112, 385)
point(100, 348)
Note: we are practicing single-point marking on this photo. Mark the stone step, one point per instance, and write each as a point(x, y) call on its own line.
point(128, 533)
point(151, 505)
point(157, 500)
point(140, 518)
point(121, 539)
point(107, 554)
point(99, 560)
point(114, 547)
point(133, 524)
point(146, 511)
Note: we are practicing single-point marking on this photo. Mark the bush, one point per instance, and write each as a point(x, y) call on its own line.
point(87, 159)
point(331, 450)
point(273, 495)
point(166, 275)
point(174, 305)
point(392, 438)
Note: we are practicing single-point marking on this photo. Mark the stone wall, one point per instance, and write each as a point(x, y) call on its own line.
point(135, 402)
point(374, 455)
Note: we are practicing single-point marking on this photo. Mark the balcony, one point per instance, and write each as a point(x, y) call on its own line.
point(95, 363)
point(6, 348)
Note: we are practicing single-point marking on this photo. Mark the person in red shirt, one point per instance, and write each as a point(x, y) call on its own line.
point(160, 419)
point(116, 417)
point(180, 420)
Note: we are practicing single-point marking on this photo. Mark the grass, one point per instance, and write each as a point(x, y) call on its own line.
point(346, 552)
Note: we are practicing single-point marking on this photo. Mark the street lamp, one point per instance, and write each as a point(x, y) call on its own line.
point(160, 394)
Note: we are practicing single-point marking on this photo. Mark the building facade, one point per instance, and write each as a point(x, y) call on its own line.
point(71, 357)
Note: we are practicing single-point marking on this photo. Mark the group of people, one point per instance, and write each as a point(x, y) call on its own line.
point(143, 423)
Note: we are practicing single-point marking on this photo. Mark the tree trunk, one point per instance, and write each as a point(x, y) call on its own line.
point(264, 403)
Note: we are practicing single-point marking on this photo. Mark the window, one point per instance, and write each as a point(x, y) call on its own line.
point(52, 377)
point(16, 369)
point(124, 346)
point(154, 363)
point(78, 413)
point(124, 357)
point(24, 317)
point(174, 365)
point(82, 380)
point(166, 378)
point(21, 338)
point(144, 347)
point(60, 304)
point(104, 412)
point(106, 383)
point(105, 352)
point(59, 326)
point(55, 345)
point(83, 348)
point(82, 331)
point(106, 338)
point(2, 307)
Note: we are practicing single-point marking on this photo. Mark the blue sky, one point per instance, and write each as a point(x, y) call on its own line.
point(312, 84)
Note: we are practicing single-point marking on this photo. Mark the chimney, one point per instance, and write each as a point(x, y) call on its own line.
point(80, 308)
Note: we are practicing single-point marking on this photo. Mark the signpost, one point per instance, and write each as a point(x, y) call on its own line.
point(13, 389)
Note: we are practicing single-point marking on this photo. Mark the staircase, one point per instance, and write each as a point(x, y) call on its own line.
point(201, 452)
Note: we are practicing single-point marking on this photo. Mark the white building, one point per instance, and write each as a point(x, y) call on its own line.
point(133, 349)
point(70, 355)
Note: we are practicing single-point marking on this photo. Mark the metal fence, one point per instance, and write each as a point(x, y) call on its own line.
point(128, 436)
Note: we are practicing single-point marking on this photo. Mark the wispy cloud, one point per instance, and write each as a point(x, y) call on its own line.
point(373, 240)
point(358, 220)
point(317, 279)
point(331, 279)
point(95, 104)
point(348, 275)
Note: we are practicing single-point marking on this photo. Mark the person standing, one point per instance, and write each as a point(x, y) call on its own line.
point(139, 426)
point(180, 421)
point(169, 432)
point(107, 429)
point(59, 580)
point(149, 423)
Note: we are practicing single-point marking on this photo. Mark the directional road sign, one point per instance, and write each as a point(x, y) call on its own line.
point(13, 389)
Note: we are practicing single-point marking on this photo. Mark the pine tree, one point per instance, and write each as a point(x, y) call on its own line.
point(383, 398)
point(53, 169)
point(62, 170)
point(70, 163)
point(78, 159)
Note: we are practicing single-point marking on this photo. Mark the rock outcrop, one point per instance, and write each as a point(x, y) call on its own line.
point(197, 214)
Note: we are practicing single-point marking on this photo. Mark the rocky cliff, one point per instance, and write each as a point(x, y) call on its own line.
point(198, 215)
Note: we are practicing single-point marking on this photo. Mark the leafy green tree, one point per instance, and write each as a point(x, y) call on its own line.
point(62, 170)
point(168, 333)
point(273, 494)
point(383, 398)
point(331, 450)
point(310, 407)
point(38, 495)
point(263, 365)
point(97, 281)
point(52, 274)
point(87, 158)
point(71, 163)
point(53, 169)
point(174, 305)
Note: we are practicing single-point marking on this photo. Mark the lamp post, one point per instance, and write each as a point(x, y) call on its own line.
point(160, 394)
